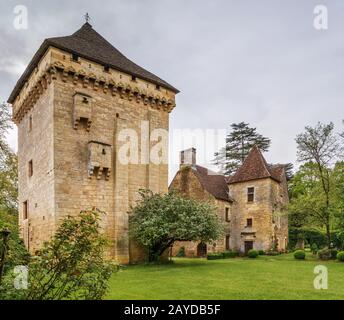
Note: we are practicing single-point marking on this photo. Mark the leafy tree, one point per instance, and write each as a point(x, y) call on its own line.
point(17, 254)
point(8, 165)
point(70, 266)
point(238, 144)
point(157, 221)
point(338, 181)
point(318, 147)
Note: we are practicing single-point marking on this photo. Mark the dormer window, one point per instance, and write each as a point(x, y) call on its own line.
point(157, 87)
point(250, 194)
point(106, 68)
point(133, 78)
point(75, 57)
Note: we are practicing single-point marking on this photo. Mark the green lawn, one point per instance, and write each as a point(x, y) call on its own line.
point(280, 277)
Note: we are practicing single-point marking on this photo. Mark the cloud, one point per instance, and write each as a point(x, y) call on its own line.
point(12, 66)
point(260, 62)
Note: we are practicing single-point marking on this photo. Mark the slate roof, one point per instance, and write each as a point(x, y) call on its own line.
point(213, 182)
point(89, 44)
point(256, 167)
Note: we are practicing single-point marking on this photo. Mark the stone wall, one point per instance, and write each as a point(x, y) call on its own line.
point(62, 183)
point(187, 183)
point(262, 211)
point(35, 143)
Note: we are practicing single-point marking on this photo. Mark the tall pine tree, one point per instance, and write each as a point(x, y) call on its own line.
point(238, 144)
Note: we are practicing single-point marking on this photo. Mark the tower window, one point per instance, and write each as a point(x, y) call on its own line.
point(25, 210)
point(228, 241)
point(250, 194)
point(227, 218)
point(30, 168)
point(249, 223)
point(75, 57)
point(30, 123)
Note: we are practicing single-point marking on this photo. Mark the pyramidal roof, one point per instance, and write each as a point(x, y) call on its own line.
point(89, 44)
point(256, 167)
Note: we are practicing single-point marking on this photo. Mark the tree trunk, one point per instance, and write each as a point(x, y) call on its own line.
point(156, 251)
point(328, 235)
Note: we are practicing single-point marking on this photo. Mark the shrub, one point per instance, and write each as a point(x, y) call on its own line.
point(299, 255)
point(181, 252)
point(252, 254)
point(261, 252)
point(340, 256)
point(334, 253)
point(71, 265)
point(214, 256)
point(324, 254)
point(314, 248)
point(230, 254)
point(272, 253)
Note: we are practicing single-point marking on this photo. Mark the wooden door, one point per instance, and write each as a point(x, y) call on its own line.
point(248, 246)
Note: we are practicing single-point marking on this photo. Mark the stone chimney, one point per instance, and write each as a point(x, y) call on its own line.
point(188, 157)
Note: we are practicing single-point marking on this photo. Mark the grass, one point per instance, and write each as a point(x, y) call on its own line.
point(280, 277)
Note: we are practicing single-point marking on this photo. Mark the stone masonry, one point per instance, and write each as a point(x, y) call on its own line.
point(251, 206)
point(71, 112)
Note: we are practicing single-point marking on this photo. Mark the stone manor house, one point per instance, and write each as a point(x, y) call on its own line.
point(250, 203)
point(71, 103)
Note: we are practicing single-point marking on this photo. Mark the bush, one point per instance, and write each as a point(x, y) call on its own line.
point(334, 253)
point(230, 254)
point(324, 254)
point(71, 265)
point(261, 252)
point(299, 255)
point(272, 253)
point(340, 256)
point(252, 254)
point(181, 252)
point(214, 256)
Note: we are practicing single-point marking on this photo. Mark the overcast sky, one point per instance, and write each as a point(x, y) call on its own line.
point(261, 62)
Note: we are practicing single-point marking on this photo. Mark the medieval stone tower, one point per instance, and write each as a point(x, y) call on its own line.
point(72, 104)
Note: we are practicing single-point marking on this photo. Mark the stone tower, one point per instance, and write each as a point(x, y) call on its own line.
point(260, 194)
point(74, 105)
